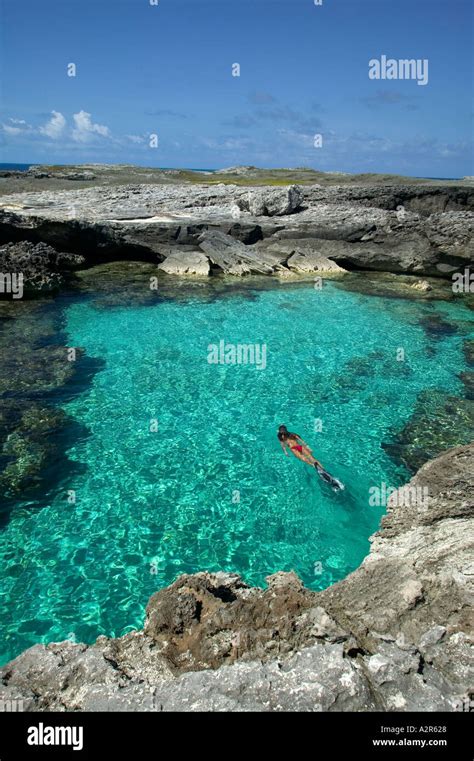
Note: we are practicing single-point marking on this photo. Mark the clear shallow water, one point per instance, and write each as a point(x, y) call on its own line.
point(152, 505)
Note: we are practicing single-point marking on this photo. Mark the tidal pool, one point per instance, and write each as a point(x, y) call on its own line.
point(181, 470)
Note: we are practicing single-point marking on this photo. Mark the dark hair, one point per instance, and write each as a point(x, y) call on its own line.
point(284, 434)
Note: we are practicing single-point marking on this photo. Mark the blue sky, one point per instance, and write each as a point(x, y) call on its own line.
point(166, 69)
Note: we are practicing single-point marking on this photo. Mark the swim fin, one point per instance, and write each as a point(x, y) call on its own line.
point(334, 482)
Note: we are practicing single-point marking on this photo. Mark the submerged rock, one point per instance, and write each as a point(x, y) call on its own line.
point(467, 378)
point(436, 327)
point(392, 636)
point(34, 372)
point(392, 286)
point(30, 448)
point(439, 421)
point(120, 284)
point(468, 349)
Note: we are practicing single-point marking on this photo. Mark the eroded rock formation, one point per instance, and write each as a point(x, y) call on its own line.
point(43, 269)
point(421, 230)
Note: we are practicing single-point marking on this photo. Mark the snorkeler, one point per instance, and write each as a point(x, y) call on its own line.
point(296, 445)
point(302, 451)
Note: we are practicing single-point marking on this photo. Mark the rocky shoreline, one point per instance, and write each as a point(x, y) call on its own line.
point(392, 636)
point(190, 229)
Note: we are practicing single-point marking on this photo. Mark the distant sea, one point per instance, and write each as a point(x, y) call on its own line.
point(25, 167)
point(16, 167)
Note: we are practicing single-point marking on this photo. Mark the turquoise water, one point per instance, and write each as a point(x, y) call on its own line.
point(211, 489)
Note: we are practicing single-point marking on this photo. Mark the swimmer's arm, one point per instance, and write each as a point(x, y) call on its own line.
point(283, 446)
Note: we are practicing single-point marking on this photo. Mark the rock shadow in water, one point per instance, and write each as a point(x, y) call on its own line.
point(356, 375)
point(35, 378)
point(440, 421)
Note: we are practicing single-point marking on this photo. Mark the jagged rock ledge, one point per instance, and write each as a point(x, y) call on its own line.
point(392, 636)
point(200, 230)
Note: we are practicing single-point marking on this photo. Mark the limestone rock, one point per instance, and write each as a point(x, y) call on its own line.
point(42, 267)
point(186, 263)
point(230, 255)
point(422, 285)
point(312, 262)
point(417, 229)
point(317, 679)
point(271, 202)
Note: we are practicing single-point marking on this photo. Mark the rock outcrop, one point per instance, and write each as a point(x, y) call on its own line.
point(420, 230)
point(43, 269)
point(186, 263)
point(231, 256)
point(272, 202)
point(393, 636)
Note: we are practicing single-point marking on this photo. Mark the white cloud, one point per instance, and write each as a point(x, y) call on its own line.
point(135, 138)
point(295, 138)
point(85, 129)
point(17, 127)
point(12, 130)
point(228, 143)
point(55, 127)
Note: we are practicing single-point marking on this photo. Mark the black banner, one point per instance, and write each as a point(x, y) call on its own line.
point(124, 735)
